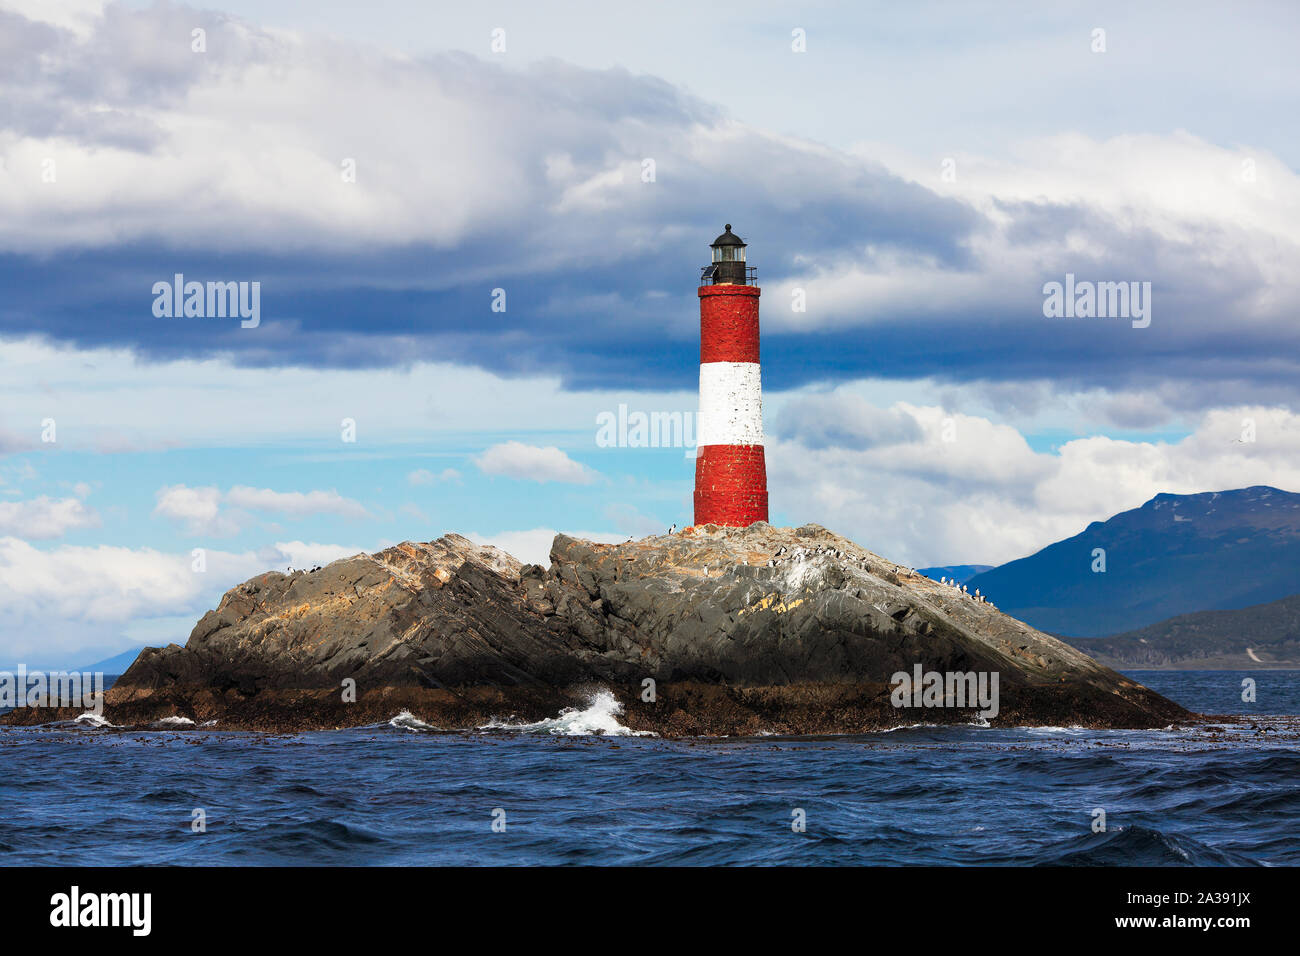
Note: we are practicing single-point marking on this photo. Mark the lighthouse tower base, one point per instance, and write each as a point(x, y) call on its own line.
point(730, 468)
point(730, 485)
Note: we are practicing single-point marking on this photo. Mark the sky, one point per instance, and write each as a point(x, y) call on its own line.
point(476, 231)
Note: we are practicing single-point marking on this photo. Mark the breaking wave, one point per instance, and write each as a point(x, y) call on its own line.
point(598, 718)
point(1141, 846)
point(172, 723)
point(408, 721)
point(92, 719)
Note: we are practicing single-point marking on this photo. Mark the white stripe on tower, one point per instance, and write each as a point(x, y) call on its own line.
point(731, 404)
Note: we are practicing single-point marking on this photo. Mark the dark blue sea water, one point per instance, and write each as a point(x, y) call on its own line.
point(408, 795)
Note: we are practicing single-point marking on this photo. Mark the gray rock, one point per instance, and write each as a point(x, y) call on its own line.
point(808, 643)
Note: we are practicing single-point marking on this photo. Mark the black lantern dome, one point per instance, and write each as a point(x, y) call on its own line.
point(728, 260)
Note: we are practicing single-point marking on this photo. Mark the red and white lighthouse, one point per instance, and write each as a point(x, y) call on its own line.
point(730, 471)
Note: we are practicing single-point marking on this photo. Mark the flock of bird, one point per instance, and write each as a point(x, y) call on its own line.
point(965, 592)
point(802, 554)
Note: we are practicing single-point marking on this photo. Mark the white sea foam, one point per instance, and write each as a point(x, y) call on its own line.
point(91, 719)
point(890, 730)
point(1075, 730)
point(171, 723)
point(600, 717)
point(408, 721)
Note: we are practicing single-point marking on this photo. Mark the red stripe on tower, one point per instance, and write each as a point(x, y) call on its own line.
point(730, 470)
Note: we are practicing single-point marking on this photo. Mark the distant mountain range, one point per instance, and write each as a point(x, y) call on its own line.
point(1264, 634)
point(1174, 555)
point(117, 664)
point(113, 665)
point(961, 573)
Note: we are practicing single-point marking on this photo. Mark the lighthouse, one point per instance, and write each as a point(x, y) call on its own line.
point(730, 471)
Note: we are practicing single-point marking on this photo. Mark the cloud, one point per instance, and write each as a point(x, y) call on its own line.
point(78, 16)
point(534, 547)
point(965, 489)
point(904, 274)
point(44, 518)
point(514, 459)
point(300, 554)
point(845, 420)
point(531, 204)
point(11, 442)
point(200, 510)
point(295, 503)
point(59, 602)
point(422, 476)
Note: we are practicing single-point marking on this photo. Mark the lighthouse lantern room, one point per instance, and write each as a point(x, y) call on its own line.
point(728, 266)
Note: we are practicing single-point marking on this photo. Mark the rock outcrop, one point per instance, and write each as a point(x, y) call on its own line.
point(736, 631)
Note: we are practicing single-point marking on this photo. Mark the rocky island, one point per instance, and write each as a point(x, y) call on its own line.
point(709, 631)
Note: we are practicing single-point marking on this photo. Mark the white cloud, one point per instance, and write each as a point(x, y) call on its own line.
point(988, 497)
point(11, 441)
point(1171, 209)
point(212, 401)
point(514, 459)
point(44, 517)
point(534, 547)
point(78, 16)
point(294, 503)
point(300, 554)
point(422, 476)
point(246, 187)
point(70, 599)
point(200, 510)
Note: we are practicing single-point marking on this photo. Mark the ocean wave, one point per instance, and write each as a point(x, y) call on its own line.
point(172, 723)
point(1141, 846)
point(890, 730)
point(1074, 730)
point(92, 719)
point(408, 721)
point(598, 718)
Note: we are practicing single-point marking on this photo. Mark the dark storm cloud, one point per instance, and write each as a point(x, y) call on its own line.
point(477, 177)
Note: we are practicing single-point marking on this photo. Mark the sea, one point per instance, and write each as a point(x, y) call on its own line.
point(581, 789)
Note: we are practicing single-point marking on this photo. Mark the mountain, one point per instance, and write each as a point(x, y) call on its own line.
point(1250, 637)
point(961, 573)
point(710, 631)
point(118, 664)
point(1174, 555)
